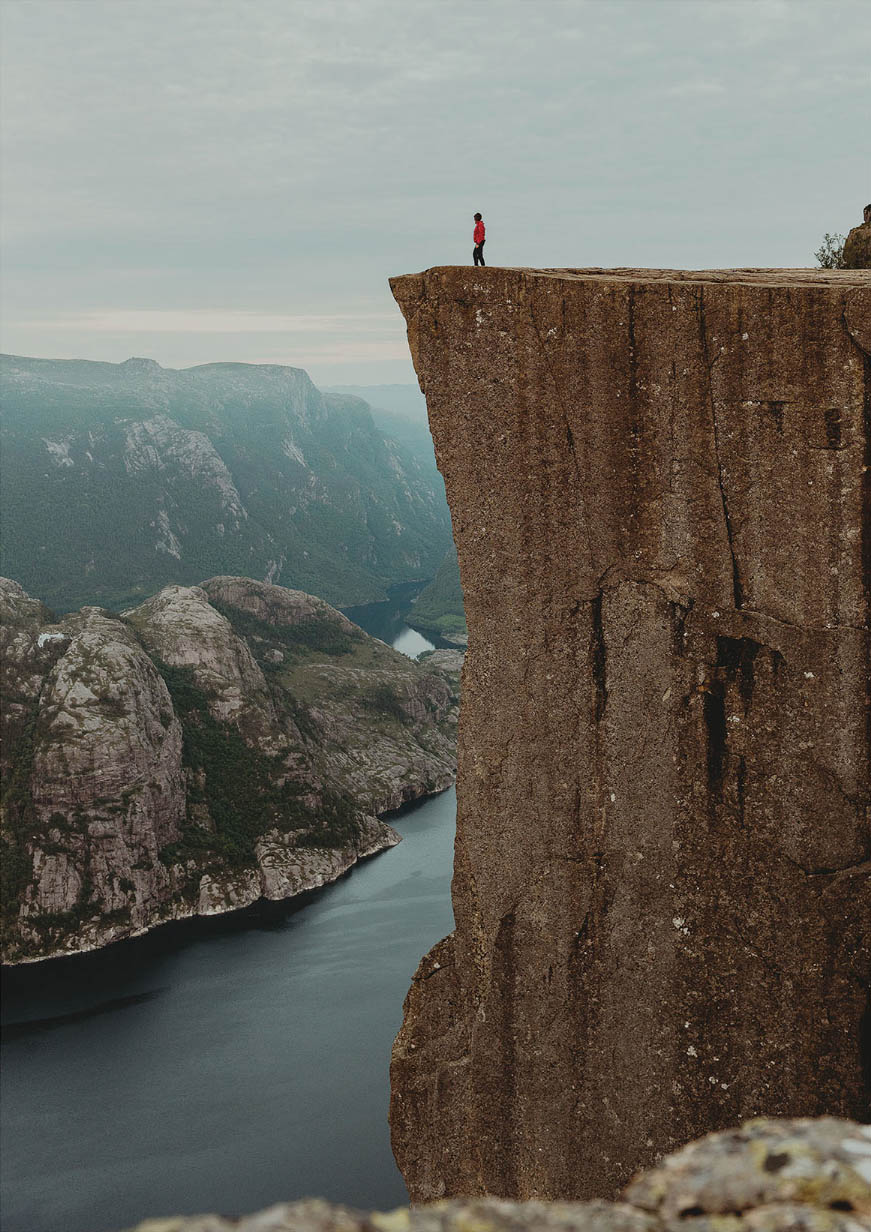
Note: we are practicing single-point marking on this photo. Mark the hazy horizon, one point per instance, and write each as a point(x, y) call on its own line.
point(227, 181)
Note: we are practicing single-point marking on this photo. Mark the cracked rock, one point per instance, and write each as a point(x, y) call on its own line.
point(664, 718)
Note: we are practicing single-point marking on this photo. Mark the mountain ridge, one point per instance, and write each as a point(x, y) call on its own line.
point(121, 478)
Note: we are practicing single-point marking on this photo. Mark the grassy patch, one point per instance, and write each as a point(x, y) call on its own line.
point(382, 699)
point(319, 634)
point(238, 787)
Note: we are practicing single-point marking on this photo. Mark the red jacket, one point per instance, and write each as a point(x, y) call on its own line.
point(479, 233)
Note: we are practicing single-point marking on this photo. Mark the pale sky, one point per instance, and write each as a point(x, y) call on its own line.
point(200, 180)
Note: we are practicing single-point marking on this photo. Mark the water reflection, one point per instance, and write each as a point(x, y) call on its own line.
point(17, 1030)
point(410, 642)
point(386, 621)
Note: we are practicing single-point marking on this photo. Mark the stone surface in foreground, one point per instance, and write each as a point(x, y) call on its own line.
point(659, 489)
point(767, 1176)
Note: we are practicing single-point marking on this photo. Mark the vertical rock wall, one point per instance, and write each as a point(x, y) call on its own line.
point(659, 490)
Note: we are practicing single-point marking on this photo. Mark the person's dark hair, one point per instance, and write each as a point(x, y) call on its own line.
point(477, 218)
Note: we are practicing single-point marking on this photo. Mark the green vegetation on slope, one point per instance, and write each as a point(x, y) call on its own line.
point(438, 611)
point(122, 478)
point(238, 787)
point(319, 635)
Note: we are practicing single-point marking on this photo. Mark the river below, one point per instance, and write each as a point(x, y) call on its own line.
point(223, 1064)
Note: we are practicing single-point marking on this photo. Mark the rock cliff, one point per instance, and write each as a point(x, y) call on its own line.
point(213, 746)
point(659, 490)
point(857, 245)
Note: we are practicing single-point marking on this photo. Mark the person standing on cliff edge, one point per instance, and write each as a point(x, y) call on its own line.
point(478, 237)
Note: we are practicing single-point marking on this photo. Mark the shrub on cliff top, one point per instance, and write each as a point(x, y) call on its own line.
point(830, 253)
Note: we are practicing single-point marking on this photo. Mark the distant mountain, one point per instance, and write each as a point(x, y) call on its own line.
point(438, 611)
point(402, 401)
point(212, 746)
point(399, 411)
point(121, 478)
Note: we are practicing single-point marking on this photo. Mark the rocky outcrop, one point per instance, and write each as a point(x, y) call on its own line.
point(857, 245)
point(213, 746)
point(767, 1176)
point(659, 490)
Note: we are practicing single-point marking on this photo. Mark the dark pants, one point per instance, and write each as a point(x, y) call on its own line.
point(478, 253)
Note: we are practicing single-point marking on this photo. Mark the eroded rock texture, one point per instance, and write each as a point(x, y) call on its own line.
point(857, 246)
point(661, 882)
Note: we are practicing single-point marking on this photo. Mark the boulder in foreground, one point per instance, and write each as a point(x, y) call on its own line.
point(767, 1176)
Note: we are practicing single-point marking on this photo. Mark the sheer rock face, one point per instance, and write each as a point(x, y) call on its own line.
point(661, 882)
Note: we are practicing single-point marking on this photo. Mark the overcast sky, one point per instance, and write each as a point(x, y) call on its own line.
point(200, 180)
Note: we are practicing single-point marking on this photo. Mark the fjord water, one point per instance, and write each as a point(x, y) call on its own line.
point(223, 1064)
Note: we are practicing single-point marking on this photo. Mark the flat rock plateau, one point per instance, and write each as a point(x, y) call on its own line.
point(659, 488)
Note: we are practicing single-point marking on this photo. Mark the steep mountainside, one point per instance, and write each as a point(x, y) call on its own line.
point(659, 486)
point(438, 610)
point(217, 744)
point(399, 411)
point(121, 478)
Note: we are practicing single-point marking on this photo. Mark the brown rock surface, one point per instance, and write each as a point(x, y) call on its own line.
point(661, 880)
point(857, 247)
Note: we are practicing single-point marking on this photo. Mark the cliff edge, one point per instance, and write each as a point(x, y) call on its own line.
point(659, 489)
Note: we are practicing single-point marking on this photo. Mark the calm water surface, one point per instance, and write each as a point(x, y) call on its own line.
point(387, 622)
point(223, 1064)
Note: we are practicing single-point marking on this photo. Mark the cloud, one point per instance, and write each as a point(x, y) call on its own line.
point(213, 321)
point(695, 87)
point(285, 158)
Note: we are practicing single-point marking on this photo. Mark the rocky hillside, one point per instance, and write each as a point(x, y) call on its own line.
point(438, 610)
point(121, 478)
point(215, 745)
point(857, 246)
